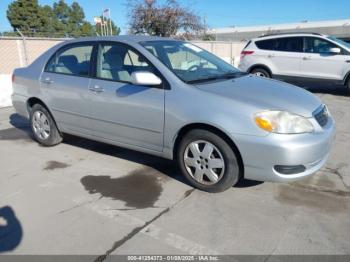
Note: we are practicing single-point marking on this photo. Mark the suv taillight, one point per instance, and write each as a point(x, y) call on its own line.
point(13, 78)
point(245, 53)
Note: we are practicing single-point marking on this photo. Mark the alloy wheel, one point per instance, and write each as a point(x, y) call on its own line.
point(204, 162)
point(260, 74)
point(41, 125)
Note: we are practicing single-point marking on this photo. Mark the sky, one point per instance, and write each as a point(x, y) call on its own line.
point(221, 13)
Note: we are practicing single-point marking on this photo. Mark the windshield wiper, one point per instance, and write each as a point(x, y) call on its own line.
point(217, 77)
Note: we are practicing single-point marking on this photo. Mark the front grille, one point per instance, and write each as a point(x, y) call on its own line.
point(321, 116)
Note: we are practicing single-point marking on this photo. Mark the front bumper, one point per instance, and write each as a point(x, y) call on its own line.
point(261, 154)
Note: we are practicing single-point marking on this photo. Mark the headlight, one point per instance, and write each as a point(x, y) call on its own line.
point(281, 122)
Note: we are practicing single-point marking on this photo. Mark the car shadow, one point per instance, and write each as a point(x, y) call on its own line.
point(21, 123)
point(244, 183)
point(324, 88)
point(11, 231)
point(164, 166)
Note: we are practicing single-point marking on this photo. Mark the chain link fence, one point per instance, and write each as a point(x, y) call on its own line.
point(21, 51)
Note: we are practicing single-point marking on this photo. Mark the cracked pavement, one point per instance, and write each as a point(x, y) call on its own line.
point(84, 197)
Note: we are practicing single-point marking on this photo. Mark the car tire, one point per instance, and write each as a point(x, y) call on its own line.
point(44, 127)
point(261, 72)
point(207, 161)
point(348, 87)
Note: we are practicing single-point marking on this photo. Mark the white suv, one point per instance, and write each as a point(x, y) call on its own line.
point(298, 57)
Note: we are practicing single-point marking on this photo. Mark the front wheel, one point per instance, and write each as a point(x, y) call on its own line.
point(208, 161)
point(44, 127)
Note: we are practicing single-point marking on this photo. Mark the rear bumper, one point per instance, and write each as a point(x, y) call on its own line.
point(19, 102)
point(261, 154)
point(242, 66)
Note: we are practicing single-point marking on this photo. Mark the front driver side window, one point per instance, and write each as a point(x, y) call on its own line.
point(117, 62)
point(318, 45)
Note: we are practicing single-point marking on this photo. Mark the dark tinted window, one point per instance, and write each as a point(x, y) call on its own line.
point(318, 45)
point(266, 44)
point(73, 60)
point(289, 44)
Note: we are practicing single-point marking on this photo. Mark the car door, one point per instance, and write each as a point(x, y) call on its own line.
point(65, 83)
point(319, 63)
point(120, 111)
point(287, 56)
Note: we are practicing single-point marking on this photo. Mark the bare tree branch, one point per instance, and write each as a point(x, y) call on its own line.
point(169, 19)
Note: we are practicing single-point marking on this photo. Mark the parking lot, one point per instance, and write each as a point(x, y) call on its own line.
point(84, 197)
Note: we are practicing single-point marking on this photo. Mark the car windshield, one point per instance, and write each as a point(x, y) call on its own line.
point(189, 62)
point(341, 42)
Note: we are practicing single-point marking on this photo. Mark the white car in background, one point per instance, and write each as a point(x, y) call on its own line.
point(298, 57)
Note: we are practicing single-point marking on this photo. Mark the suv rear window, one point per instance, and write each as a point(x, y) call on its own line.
point(266, 44)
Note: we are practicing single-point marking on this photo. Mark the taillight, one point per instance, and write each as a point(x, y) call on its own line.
point(13, 78)
point(245, 53)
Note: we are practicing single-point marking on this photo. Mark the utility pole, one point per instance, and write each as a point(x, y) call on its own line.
point(110, 22)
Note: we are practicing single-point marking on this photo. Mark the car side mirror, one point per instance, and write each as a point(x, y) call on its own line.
point(145, 78)
point(335, 50)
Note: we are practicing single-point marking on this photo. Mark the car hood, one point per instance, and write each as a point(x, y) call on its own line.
point(266, 94)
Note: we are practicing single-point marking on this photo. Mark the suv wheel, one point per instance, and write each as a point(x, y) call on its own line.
point(44, 127)
point(261, 72)
point(207, 161)
point(348, 86)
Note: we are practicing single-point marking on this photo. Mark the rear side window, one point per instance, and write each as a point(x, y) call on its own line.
point(266, 44)
point(73, 60)
point(289, 44)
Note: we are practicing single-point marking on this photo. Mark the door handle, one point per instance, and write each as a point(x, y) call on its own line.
point(270, 56)
point(96, 89)
point(306, 58)
point(47, 80)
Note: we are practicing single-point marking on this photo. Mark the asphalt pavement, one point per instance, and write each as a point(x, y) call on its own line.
point(88, 198)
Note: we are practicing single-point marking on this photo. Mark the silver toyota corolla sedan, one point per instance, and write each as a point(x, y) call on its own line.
point(175, 100)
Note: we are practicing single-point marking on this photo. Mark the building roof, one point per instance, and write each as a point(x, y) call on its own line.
point(339, 28)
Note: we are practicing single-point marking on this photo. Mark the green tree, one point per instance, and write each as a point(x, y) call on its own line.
point(60, 17)
point(26, 16)
point(86, 29)
point(70, 20)
point(58, 20)
point(76, 19)
point(48, 21)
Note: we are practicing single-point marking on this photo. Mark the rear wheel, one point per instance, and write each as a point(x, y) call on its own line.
point(261, 72)
point(44, 127)
point(207, 161)
point(348, 86)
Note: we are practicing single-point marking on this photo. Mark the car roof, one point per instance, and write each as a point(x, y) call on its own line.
point(280, 35)
point(123, 38)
